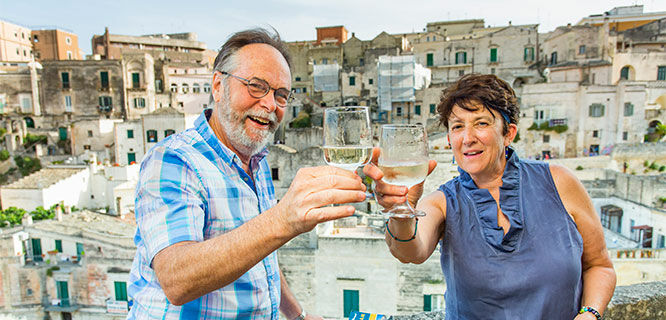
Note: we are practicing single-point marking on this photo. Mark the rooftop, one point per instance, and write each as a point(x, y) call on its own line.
point(44, 178)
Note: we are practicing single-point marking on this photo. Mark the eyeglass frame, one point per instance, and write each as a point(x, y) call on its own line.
point(246, 82)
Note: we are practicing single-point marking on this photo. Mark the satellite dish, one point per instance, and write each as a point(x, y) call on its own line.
point(546, 72)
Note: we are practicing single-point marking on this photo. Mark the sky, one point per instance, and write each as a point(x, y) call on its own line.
point(215, 21)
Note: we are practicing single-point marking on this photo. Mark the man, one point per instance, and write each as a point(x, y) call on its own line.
point(207, 220)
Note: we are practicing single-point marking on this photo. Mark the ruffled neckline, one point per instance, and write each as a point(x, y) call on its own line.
point(486, 207)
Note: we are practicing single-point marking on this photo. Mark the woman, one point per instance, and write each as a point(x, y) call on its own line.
point(519, 239)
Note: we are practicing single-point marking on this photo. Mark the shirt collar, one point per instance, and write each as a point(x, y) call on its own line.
point(228, 156)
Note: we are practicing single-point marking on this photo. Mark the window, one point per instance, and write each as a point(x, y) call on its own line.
point(68, 103)
point(62, 133)
point(661, 73)
point(294, 111)
point(350, 302)
point(135, 80)
point(58, 245)
point(151, 135)
point(63, 293)
point(86, 147)
point(492, 70)
point(131, 157)
point(69, 55)
point(624, 73)
point(553, 58)
point(34, 38)
point(429, 59)
point(130, 134)
point(26, 103)
point(352, 81)
point(628, 109)
point(546, 138)
point(661, 239)
point(169, 132)
point(625, 135)
point(305, 90)
point(206, 87)
point(139, 103)
point(158, 85)
point(361, 62)
point(90, 133)
point(36, 249)
point(186, 88)
point(581, 49)
point(105, 103)
point(461, 73)
point(196, 88)
point(324, 61)
point(595, 133)
point(370, 81)
point(417, 109)
point(64, 76)
point(275, 173)
point(433, 108)
point(434, 38)
point(427, 302)
point(611, 217)
point(68, 40)
point(104, 79)
point(398, 111)
point(428, 39)
point(174, 87)
point(120, 289)
point(297, 79)
point(461, 57)
point(493, 54)
point(596, 110)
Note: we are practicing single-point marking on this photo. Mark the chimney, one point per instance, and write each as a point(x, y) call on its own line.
point(27, 220)
point(58, 213)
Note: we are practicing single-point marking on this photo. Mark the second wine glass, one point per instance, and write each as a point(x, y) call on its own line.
point(404, 162)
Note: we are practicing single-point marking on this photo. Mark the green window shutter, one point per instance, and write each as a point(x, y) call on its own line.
point(79, 250)
point(417, 109)
point(37, 249)
point(493, 55)
point(63, 293)
point(104, 79)
point(427, 302)
point(352, 81)
point(624, 73)
point(65, 80)
point(131, 157)
point(62, 133)
point(429, 60)
point(661, 73)
point(120, 290)
point(350, 299)
point(433, 108)
point(135, 80)
point(58, 245)
point(464, 57)
point(130, 134)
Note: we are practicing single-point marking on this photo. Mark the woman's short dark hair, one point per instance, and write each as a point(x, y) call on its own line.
point(487, 89)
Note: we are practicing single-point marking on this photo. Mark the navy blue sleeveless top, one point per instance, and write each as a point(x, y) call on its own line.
point(532, 272)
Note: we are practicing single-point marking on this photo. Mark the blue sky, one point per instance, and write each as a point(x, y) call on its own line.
point(214, 21)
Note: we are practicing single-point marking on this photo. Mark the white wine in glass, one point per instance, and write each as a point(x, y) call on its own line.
point(404, 161)
point(347, 137)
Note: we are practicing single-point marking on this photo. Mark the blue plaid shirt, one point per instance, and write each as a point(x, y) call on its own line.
point(192, 188)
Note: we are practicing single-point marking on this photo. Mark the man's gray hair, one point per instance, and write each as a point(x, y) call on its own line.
point(225, 60)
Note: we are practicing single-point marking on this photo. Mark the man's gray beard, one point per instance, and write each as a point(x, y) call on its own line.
point(233, 125)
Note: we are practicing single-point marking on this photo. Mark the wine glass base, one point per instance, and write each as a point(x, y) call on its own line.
point(402, 213)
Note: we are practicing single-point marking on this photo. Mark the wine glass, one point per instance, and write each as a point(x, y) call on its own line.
point(403, 159)
point(347, 137)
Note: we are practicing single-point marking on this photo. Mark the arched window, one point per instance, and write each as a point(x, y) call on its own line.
point(196, 88)
point(186, 88)
point(174, 87)
point(29, 122)
point(206, 87)
point(624, 73)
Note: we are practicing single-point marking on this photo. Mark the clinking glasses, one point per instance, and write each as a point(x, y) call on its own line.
point(259, 88)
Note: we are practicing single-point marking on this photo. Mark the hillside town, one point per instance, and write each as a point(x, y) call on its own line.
point(74, 129)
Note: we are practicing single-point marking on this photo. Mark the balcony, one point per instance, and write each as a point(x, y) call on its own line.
point(105, 109)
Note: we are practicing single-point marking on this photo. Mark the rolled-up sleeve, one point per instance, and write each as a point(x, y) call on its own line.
point(169, 201)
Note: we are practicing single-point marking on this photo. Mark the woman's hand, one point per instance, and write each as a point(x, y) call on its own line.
point(389, 195)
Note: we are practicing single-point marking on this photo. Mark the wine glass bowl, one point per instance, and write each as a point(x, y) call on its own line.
point(403, 160)
point(347, 137)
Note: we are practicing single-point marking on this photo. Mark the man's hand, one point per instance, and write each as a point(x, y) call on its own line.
point(303, 206)
point(389, 195)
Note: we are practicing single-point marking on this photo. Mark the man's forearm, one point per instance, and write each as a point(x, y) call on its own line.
point(288, 303)
point(192, 269)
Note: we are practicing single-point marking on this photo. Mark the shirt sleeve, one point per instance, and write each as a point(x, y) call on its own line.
point(170, 206)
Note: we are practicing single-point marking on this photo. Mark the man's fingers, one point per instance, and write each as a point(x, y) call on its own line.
point(375, 154)
point(390, 201)
point(386, 189)
point(432, 164)
point(330, 182)
point(330, 213)
point(372, 171)
point(333, 196)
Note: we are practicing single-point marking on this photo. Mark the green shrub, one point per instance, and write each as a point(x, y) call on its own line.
point(11, 216)
point(544, 126)
point(560, 128)
point(579, 168)
point(43, 214)
point(654, 166)
point(4, 154)
point(30, 139)
point(2, 132)
point(534, 126)
point(49, 271)
point(27, 165)
point(301, 122)
point(646, 163)
point(662, 168)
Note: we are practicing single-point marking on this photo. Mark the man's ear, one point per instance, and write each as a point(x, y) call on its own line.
point(218, 88)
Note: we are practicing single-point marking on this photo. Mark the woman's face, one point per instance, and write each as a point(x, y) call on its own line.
point(477, 140)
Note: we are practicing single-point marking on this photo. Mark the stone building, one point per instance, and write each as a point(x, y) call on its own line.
point(189, 87)
point(15, 43)
point(622, 18)
point(93, 136)
point(72, 267)
point(56, 44)
point(112, 46)
point(19, 103)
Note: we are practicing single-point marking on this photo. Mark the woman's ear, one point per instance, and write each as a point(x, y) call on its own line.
point(513, 130)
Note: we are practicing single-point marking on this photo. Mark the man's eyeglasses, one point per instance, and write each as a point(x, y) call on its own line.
point(259, 88)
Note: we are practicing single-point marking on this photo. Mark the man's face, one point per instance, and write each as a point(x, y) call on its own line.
point(249, 123)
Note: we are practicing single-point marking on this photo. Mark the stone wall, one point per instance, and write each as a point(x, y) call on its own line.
point(645, 301)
